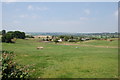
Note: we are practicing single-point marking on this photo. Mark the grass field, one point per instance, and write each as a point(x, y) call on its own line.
point(67, 61)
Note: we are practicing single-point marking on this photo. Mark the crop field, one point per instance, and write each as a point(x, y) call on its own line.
point(88, 59)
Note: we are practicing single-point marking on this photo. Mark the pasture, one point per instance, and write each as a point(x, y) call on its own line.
point(67, 60)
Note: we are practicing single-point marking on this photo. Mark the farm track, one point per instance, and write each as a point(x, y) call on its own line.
point(100, 46)
point(91, 45)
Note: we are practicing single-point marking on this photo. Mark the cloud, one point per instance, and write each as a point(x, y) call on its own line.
point(30, 7)
point(83, 18)
point(23, 16)
point(33, 16)
point(41, 8)
point(10, 0)
point(87, 11)
point(16, 22)
point(61, 23)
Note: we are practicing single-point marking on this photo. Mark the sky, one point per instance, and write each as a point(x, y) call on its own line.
point(81, 17)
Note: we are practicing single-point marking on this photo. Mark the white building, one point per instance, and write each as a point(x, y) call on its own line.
point(60, 40)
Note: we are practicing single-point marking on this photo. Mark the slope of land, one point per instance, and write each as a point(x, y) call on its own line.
point(67, 61)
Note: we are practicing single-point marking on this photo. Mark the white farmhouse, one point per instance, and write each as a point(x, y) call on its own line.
point(60, 40)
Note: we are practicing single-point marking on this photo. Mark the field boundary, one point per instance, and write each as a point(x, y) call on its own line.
point(91, 45)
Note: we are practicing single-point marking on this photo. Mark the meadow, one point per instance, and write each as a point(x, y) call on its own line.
point(88, 59)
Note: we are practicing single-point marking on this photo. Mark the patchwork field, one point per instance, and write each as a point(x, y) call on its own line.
point(90, 59)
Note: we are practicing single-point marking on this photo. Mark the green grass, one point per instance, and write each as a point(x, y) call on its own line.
point(113, 43)
point(66, 61)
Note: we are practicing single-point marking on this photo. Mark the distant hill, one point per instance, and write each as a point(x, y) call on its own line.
point(68, 33)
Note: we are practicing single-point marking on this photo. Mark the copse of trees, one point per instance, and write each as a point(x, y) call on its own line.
point(17, 34)
point(7, 37)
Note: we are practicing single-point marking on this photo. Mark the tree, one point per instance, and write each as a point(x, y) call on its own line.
point(29, 36)
point(20, 35)
point(47, 37)
point(56, 41)
point(9, 36)
point(53, 37)
point(62, 36)
point(3, 32)
point(66, 38)
point(72, 40)
point(71, 37)
point(3, 38)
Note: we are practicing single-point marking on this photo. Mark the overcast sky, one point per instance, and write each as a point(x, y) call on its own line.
point(60, 16)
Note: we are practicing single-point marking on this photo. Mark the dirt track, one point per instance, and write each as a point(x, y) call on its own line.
point(92, 45)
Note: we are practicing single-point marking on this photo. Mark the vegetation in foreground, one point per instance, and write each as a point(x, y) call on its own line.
point(67, 61)
point(10, 69)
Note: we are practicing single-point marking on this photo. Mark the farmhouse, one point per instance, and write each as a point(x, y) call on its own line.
point(60, 40)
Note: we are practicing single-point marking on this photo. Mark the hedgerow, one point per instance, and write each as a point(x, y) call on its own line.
point(10, 69)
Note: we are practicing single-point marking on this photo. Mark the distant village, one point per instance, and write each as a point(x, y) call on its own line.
point(11, 36)
point(74, 38)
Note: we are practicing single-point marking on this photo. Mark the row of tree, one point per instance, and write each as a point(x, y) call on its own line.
point(11, 35)
point(68, 38)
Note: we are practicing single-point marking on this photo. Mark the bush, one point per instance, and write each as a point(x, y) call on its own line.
point(11, 69)
point(3, 32)
point(56, 41)
point(29, 36)
point(9, 36)
point(66, 38)
point(3, 38)
point(72, 40)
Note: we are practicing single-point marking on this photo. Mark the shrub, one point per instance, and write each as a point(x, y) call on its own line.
point(7, 37)
point(72, 40)
point(56, 41)
point(3, 32)
point(3, 38)
point(29, 36)
point(11, 69)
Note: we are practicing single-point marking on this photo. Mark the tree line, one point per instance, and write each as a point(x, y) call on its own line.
point(11, 36)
